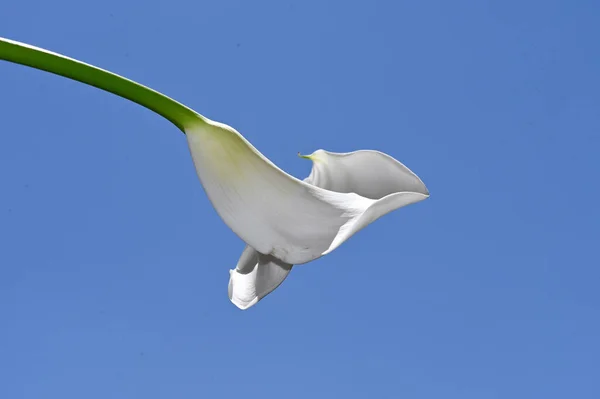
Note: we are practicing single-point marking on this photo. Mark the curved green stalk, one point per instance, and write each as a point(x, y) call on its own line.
point(25, 54)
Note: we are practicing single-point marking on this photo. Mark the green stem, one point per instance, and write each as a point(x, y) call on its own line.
point(25, 54)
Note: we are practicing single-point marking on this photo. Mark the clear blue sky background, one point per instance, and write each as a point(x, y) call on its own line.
point(114, 266)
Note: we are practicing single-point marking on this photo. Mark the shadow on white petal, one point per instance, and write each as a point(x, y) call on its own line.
point(368, 173)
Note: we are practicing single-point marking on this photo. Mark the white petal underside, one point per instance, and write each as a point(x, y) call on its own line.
point(286, 221)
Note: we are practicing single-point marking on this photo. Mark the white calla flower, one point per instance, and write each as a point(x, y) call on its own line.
point(284, 221)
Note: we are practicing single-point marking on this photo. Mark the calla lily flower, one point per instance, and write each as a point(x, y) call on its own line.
point(283, 220)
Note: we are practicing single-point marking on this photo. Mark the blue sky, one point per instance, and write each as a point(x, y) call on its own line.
point(114, 266)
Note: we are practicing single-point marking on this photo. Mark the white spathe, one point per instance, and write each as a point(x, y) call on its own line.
point(286, 221)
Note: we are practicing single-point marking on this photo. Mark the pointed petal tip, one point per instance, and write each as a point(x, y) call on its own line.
point(243, 305)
